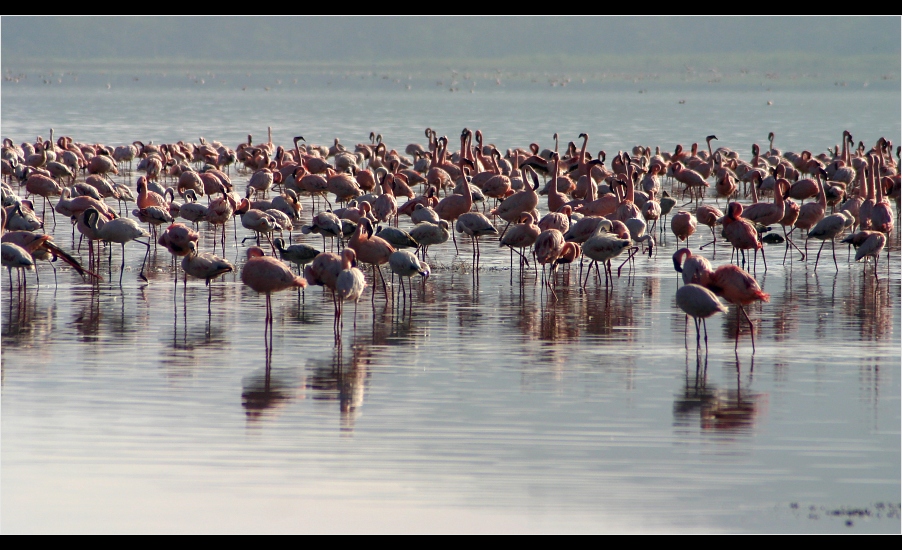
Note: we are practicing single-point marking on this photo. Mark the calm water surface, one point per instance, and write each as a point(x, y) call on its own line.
point(485, 405)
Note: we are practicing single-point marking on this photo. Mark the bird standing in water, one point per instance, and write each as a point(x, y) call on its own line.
point(700, 303)
point(265, 275)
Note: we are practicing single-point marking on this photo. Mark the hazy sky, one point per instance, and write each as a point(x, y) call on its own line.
point(369, 39)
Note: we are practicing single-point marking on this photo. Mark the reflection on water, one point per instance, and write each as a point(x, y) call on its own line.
point(483, 393)
point(342, 380)
point(712, 408)
point(266, 391)
point(534, 388)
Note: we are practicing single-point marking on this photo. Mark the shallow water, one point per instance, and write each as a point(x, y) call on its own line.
point(484, 404)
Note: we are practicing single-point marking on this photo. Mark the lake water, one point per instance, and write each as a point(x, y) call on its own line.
point(486, 405)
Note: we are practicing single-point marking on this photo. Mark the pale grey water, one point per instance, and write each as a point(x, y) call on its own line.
point(490, 406)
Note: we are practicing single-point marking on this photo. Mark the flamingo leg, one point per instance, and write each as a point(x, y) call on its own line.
point(147, 253)
point(816, 260)
point(686, 331)
point(122, 267)
point(833, 247)
point(751, 327)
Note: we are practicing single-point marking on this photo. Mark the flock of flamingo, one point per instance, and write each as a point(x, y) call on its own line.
point(594, 208)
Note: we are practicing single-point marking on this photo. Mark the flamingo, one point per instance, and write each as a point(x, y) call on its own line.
point(385, 206)
point(265, 275)
point(882, 218)
point(119, 230)
point(204, 266)
point(191, 210)
point(525, 200)
point(710, 216)
point(813, 212)
point(148, 198)
point(178, 239)
point(738, 287)
point(690, 178)
point(700, 303)
point(548, 248)
point(690, 265)
point(868, 244)
point(349, 284)
point(520, 236)
point(14, 256)
point(828, 229)
point(766, 213)
point(475, 225)
point(422, 213)
point(324, 271)
point(38, 184)
point(371, 249)
point(740, 232)
point(42, 247)
point(864, 211)
point(453, 206)
point(427, 234)
point(683, 225)
point(298, 254)
point(559, 220)
point(258, 221)
point(405, 264)
point(603, 247)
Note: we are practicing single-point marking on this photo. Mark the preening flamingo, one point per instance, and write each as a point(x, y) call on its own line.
point(738, 287)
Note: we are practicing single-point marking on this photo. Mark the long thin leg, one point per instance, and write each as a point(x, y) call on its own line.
point(751, 327)
point(122, 267)
point(816, 260)
point(142, 263)
point(698, 334)
point(833, 247)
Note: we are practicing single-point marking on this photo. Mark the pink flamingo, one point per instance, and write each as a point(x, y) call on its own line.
point(811, 213)
point(265, 274)
point(453, 206)
point(349, 285)
point(179, 240)
point(710, 216)
point(738, 287)
point(691, 266)
point(550, 247)
point(385, 207)
point(523, 201)
point(740, 232)
point(683, 225)
point(864, 211)
point(371, 249)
